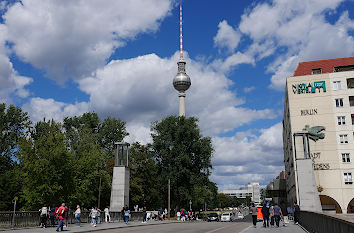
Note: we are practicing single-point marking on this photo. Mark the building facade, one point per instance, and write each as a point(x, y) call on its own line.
point(276, 189)
point(319, 100)
point(251, 189)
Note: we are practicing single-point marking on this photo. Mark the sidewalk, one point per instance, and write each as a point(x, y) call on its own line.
point(85, 227)
point(289, 228)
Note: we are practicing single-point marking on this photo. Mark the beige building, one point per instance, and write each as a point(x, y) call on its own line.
point(321, 93)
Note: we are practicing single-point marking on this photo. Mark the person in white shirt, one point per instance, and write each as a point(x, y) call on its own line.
point(178, 215)
point(78, 214)
point(107, 217)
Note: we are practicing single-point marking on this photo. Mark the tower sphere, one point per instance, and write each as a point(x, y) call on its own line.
point(181, 81)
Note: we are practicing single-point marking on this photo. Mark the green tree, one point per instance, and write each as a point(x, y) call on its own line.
point(91, 143)
point(45, 164)
point(184, 156)
point(143, 174)
point(14, 125)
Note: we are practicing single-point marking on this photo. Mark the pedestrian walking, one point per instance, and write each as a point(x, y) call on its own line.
point(253, 211)
point(60, 215)
point(52, 216)
point(43, 216)
point(178, 215)
point(98, 216)
point(93, 215)
point(277, 213)
point(126, 214)
point(271, 215)
point(66, 215)
point(265, 213)
point(144, 214)
point(122, 213)
point(296, 213)
point(107, 217)
point(78, 215)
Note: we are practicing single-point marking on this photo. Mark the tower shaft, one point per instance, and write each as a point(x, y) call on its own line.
point(182, 106)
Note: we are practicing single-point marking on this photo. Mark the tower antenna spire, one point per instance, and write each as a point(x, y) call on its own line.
point(180, 32)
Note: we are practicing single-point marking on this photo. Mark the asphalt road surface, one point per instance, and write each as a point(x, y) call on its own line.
point(192, 227)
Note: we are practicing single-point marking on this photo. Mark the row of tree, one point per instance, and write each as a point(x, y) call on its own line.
point(49, 162)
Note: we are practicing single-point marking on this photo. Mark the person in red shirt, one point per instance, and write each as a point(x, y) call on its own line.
point(60, 214)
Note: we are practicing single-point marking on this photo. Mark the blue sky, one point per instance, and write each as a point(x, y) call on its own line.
point(118, 58)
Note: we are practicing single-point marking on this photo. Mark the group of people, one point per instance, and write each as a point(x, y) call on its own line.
point(52, 213)
point(184, 215)
point(61, 213)
point(272, 214)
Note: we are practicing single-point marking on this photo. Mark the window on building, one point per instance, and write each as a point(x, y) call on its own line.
point(337, 85)
point(350, 83)
point(317, 71)
point(351, 101)
point(348, 179)
point(339, 102)
point(343, 68)
point(341, 120)
point(343, 138)
point(345, 157)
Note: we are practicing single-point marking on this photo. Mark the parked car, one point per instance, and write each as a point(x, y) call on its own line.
point(240, 216)
point(213, 217)
point(226, 217)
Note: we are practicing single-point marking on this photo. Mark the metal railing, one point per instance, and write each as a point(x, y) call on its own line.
point(24, 219)
point(322, 223)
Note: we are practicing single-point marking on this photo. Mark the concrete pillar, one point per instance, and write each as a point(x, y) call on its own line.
point(120, 188)
point(308, 195)
point(182, 106)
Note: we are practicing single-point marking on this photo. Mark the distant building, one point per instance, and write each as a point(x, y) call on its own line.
point(276, 190)
point(319, 103)
point(251, 189)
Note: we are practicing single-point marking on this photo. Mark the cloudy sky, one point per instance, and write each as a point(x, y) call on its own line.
point(118, 58)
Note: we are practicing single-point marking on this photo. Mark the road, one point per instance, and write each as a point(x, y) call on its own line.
point(193, 227)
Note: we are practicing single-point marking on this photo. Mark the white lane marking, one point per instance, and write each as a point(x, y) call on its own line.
point(216, 229)
point(244, 230)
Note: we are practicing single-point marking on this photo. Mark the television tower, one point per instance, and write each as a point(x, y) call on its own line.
point(181, 82)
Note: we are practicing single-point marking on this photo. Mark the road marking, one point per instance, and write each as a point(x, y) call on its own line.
point(244, 230)
point(215, 229)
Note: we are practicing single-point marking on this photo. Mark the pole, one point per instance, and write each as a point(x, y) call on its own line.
point(99, 194)
point(13, 216)
point(190, 204)
point(169, 199)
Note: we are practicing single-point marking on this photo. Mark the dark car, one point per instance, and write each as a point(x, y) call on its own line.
point(213, 217)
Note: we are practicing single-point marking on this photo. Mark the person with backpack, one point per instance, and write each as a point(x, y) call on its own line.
point(43, 215)
point(60, 215)
point(271, 215)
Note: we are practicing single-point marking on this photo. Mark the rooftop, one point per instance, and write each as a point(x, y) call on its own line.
point(324, 66)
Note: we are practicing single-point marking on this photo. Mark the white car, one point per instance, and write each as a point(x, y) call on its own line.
point(226, 217)
point(240, 216)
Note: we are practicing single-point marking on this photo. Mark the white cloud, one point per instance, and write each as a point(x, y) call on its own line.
point(39, 109)
point(296, 31)
point(249, 89)
point(74, 38)
point(10, 81)
point(247, 158)
point(227, 36)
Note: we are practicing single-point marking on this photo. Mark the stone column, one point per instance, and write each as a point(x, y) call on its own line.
point(120, 188)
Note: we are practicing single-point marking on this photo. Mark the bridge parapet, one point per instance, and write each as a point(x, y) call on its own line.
point(315, 222)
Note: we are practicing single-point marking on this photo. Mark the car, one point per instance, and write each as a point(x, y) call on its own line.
point(226, 217)
point(240, 216)
point(213, 217)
